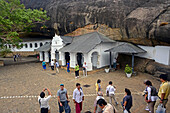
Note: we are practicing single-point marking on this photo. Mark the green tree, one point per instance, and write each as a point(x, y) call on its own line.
point(15, 18)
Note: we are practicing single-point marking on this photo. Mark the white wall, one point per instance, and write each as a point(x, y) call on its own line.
point(160, 54)
point(105, 56)
point(28, 45)
point(151, 52)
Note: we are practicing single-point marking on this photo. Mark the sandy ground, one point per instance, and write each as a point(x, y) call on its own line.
point(29, 80)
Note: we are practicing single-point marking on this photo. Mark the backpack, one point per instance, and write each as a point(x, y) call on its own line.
point(153, 91)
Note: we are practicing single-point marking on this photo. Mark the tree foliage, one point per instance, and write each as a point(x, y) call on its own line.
point(15, 18)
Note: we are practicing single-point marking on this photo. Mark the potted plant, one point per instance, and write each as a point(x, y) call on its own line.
point(128, 71)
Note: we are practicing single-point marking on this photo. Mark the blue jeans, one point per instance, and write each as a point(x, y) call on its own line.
point(114, 65)
point(65, 107)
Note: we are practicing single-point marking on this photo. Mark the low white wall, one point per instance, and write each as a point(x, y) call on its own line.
point(160, 54)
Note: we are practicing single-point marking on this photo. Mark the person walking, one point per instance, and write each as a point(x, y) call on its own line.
point(78, 98)
point(68, 67)
point(98, 86)
point(57, 66)
point(77, 71)
point(44, 102)
point(44, 65)
point(14, 58)
point(151, 97)
point(97, 109)
point(114, 63)
point(52, 65)
point(127, 101)
point(110, 91)
point(17, 56)
point(84, 69)
point(146, 95)
point(106, 107)
point(163, 92)
point(63, 100)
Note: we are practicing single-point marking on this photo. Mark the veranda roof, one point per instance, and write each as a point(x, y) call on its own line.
point(45, 47)
point(85, 43)
point(126, 48)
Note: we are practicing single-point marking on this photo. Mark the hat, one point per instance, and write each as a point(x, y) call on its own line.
point(61, 84)
point(100, 93)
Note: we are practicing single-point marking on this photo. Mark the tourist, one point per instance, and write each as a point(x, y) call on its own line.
point(17, 56)
point(14, 58)
point(44, 105)
point(84, 69)
point(78, 98)
point(57, 66)
point(98, 86)
point(163, 92)
point(110, 91)
point(127, 101)
point(77, 71)
point(68, 67)
point(52, 65)
point(38, 58)
point(151, 97)
point(44, 65)
point(106, 107)
point(63, 99)
point(97, 109)
point(114, 63)
point(146, 95)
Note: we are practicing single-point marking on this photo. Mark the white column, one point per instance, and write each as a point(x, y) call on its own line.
point(73, 60)
point(52, 54)
point(46, 56)
point(41, 56)
point(89, 63)
point(62, 58)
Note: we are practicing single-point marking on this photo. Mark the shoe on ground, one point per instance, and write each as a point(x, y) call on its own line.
point(147, 109)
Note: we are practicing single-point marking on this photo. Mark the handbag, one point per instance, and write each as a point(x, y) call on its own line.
point(125, 111)
point(160, 109)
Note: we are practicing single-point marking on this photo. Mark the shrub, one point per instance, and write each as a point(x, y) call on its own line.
point(128, 69)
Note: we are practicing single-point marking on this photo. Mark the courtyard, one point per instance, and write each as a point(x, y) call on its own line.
point(20, 86)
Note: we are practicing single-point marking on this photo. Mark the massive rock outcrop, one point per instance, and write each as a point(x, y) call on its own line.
point(136, 19)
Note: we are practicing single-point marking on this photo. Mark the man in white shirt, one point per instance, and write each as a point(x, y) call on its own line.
point(44, 105)
point(110, 91)
point(57, 66)
point(84, 69)
point(78, 98)
point(52, 65)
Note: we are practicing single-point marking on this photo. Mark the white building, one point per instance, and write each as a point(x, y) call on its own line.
point(30, 44)
point(87, 48)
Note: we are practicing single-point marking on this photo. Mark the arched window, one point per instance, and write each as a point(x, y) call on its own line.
point(9, 46)
point(41, 44)
point(26, 46)
point(30, 45)
point(36, 45)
